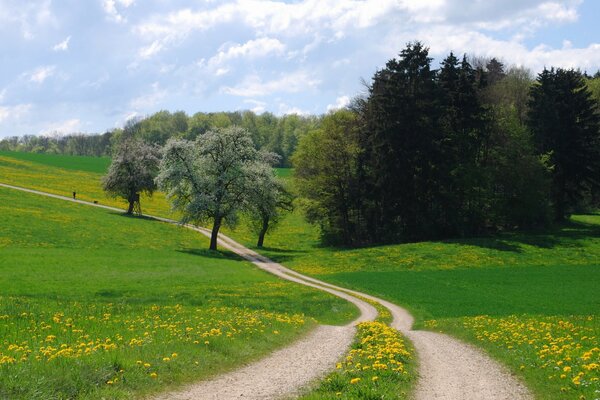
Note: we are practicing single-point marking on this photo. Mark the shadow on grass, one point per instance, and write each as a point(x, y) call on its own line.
point(567, 234)
point(216, 254)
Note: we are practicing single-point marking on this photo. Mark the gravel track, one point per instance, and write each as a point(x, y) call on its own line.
point(448, 368)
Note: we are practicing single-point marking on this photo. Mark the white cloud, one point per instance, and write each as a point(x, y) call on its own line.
point(221, 71)
point(110, 8)
point(2, 95)
point(29, 16)
point(340, 102)
point(62, 46)
point(254, 86)
point(555, 11)
point(259, 106)
point(327, 21)
point(443, 39)
point(270, 17)
point(149, 100)
point(251, 49)
point(40, 74)
point(14, 113)
point(61, 127)
point(285, 109)
point(152, 49)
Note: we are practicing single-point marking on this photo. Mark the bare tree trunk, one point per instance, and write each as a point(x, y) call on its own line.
point(263, 232)
point(215, 233)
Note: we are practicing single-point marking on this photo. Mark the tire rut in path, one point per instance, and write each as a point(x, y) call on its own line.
point(448, 368)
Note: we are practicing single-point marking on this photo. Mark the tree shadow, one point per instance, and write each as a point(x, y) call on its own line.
point(215, 254)
point(132, 216)
point(567, 234)
point(280, 250)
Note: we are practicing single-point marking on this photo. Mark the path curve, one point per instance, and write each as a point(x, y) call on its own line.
point(448, 368)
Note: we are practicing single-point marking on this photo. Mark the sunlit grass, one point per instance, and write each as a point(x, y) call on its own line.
point(559, 356)
point(98, 305)
point(523, 278)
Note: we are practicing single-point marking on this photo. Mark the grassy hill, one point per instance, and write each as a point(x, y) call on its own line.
point(530, 299)
point(94, 304)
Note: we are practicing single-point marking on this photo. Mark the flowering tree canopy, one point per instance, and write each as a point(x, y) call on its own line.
point(211, 178)
point(132, 171)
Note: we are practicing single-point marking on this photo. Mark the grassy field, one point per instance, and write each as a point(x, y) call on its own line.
point(530, 299)
point(539, 286)
point(74, 163)
point(94, 304)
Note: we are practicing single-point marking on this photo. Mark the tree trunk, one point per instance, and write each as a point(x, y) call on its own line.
point(263, 232)
point(130, 208)
point(215, 233)
point(560, 206)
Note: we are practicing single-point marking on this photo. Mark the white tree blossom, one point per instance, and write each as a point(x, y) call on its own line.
point(132, 171)
point(210, 179)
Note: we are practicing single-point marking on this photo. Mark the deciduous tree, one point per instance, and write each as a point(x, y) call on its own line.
point(132, 171)
point(268, 197)
point(211, 177)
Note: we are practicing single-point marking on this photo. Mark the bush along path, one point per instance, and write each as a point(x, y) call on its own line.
point(447, 368)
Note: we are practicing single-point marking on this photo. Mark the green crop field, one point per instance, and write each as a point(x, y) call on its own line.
point(98, 305)
point(530, 299)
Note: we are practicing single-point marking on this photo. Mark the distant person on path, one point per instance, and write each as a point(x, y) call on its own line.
point(74, 195)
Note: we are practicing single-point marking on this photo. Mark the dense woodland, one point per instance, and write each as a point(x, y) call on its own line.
point(457, 151)
point(468, 148)
point(269, 132)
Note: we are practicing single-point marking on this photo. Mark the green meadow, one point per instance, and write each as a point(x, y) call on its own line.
point(73, 163)
point(530, 299)
point(95, 304)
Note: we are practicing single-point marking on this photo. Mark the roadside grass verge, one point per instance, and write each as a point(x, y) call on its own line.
point(558, 356)
point(380, 365)
point(98, 305)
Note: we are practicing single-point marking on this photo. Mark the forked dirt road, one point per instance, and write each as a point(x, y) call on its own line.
point(448, 368)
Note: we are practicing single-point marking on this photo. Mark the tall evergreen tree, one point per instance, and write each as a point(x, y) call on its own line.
point(464, 124)
point(495, 71)
point(402, 135)
point(565, 126)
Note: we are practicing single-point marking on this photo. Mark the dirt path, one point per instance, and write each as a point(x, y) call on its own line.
point(448, 368)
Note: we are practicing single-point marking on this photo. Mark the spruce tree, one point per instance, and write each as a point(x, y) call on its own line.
point(565, 126)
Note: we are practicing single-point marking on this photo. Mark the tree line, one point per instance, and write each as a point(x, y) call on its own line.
point(468, 148)
point(277, 134)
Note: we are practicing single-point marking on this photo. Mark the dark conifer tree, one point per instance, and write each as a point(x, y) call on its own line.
point(495, 71)
point(402, 137)
point(565, 126)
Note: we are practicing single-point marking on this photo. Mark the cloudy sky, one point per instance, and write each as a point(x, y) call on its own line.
point(89, 65)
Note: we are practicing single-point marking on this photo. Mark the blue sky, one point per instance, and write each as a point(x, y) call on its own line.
point(89, 65)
